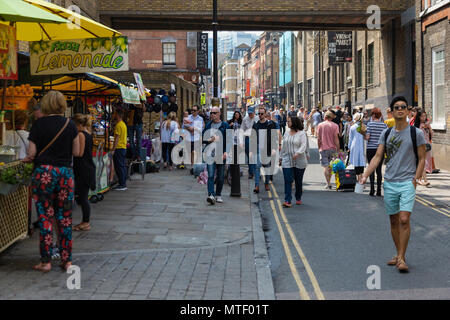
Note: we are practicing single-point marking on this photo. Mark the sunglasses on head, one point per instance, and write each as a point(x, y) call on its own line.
point(401, 107)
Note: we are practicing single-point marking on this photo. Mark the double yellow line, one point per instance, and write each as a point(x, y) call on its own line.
point(302, 290)
point(433, 206)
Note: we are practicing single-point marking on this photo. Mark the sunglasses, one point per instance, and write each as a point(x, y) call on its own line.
point(402, 107)
point(215, 112)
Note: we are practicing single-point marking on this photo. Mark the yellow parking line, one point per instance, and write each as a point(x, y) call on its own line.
point(300, 252)
point(432, 204)
point(435, 209)
point(302, 290)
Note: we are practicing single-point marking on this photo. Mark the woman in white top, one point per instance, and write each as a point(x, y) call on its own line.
point(294, 159)
point(169, 130)
point(356, 145)
point(19, 137)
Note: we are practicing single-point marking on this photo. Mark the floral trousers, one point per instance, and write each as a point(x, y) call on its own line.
point(53, 193)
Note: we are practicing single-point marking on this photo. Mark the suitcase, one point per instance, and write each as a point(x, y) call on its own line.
point(346, 180)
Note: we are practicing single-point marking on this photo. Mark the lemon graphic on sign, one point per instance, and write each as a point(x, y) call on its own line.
point(95, 44)
point(108, 45)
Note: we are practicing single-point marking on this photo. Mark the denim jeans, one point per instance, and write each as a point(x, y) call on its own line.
point(120, 166)
point(257, 171)
point(220, 178)
point(293, 174)
point(135, 147)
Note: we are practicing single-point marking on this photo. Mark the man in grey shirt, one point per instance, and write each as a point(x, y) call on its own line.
point(403, 169)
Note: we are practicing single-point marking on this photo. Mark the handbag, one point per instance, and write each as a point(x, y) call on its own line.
point(428, 147)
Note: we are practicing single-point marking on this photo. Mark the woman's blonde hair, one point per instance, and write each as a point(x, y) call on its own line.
point(53, 102)
point(82, 119)
point(171, 117)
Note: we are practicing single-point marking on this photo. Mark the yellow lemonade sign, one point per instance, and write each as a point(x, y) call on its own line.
point(79, 56)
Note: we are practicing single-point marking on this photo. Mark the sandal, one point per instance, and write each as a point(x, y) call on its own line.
point(65, 266)
point(402, 266)
point(43, 267)
point(392, 262)
point(82, 227)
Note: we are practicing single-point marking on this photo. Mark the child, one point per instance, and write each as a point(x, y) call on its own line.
point(186, 121)
point(84, 170)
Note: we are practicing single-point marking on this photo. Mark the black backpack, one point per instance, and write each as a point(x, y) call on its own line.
point(413, 138)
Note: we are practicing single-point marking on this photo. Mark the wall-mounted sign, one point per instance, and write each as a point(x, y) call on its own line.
point(79, 56)
point(202, 54)
point(340, 46)
point(8, 53)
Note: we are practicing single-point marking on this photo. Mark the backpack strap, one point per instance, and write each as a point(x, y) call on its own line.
point(386, 135)
point(414, 141)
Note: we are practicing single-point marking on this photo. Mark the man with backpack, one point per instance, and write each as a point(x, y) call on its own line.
point(404, 148)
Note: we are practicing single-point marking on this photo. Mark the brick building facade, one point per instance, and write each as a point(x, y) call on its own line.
point(433, 72)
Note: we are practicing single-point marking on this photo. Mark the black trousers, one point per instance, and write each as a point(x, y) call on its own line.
point(82, 199)
point(370, 154)
point(167, 152)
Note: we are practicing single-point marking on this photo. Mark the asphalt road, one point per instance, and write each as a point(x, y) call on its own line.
point(323, 248)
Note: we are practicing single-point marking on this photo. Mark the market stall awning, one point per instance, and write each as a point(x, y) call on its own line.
point(20, 11)
point(91, 83)
point(76, 26)
point(87, 83)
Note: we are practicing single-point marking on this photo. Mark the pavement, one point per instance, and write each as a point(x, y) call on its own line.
point(158, 240)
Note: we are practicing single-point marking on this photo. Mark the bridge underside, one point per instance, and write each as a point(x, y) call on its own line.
point(243, 21)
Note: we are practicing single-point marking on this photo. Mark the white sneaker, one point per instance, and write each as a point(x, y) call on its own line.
point(211, 199)
point(219, 199)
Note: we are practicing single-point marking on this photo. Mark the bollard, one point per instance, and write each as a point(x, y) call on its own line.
point(235, 176)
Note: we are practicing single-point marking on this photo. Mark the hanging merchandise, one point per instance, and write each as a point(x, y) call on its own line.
point(165, 107)
point(16, 98)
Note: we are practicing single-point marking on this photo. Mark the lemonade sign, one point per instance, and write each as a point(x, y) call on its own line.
point(8, 53)
point(79, 56)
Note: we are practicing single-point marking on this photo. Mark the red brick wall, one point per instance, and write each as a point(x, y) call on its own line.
point(147, 45)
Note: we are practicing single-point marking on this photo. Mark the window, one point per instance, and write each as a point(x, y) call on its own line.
point(169, 53)
point(328, 80)
point(359, 70)
point(438, 87)
point(342, 79)
point(334, 79)
point(370, 64)
point(300, 92)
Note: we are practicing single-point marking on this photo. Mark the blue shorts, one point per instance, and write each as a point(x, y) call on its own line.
point(399, 196)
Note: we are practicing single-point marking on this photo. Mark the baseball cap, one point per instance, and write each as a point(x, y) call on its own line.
point(251, 110)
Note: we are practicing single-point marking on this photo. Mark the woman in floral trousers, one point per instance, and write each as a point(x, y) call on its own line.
point(53, 143)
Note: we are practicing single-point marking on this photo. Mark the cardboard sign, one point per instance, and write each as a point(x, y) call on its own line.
point(79, 56)
point(8, 53)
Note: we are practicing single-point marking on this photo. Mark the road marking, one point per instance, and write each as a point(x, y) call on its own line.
point(300, 252)
point(429, 206)
point(302, 290)
point(432, 204)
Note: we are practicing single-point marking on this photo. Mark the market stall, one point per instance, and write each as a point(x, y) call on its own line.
point(40, 21)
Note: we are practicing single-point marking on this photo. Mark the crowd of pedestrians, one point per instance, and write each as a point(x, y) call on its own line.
point(61, 150)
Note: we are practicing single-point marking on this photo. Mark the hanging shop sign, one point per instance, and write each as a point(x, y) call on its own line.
point(140, 86)
point(129, 95)
point(8, 53)
point(79, 56)
point(340, 47)
point(202, 54)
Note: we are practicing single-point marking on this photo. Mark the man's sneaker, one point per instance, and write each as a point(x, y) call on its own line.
point(298, 202)
point(328, 187)
point(211, 199)
point(219, 199)
point(120, 188)
point(192, 171)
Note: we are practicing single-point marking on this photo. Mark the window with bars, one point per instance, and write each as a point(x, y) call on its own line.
point(328, 80)
point(169, 53)
point(334, 79)
point(370, 64)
